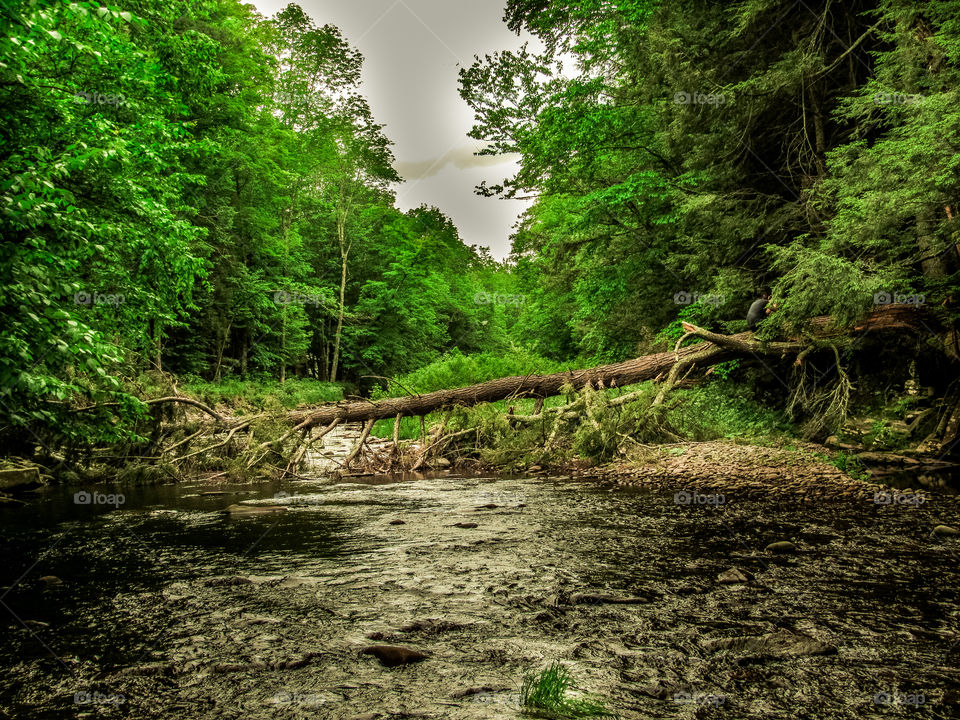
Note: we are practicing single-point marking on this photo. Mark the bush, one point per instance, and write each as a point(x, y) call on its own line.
point(724, 409)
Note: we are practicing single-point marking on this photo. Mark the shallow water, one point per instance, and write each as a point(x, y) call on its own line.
point(169, 608)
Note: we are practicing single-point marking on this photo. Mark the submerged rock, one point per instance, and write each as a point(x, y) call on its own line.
point(253, 509)
point(227, 581)
point(780, 644)
point(19, 477)
point(784, 546)
point(393, 655)
point(734, 576)
point(587, 598)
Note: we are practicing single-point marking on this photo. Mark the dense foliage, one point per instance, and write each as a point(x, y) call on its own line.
point(190, 187)
point(686, 154)
point(194, 189)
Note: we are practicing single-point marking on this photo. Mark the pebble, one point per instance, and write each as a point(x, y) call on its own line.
point(734, 576)
point(253, 509)
point(783, 546)
point(393, 655)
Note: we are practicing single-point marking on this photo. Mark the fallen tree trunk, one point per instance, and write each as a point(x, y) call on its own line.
point(628, 372)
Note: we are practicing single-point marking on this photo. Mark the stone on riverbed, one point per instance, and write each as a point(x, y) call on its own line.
point(587, 598)
point(945, 530)
point(734, 576)
point(241, 510)
point(227, 581)
point(393, 655)
point(784, 546)
point(776, 645)
point(19, 477)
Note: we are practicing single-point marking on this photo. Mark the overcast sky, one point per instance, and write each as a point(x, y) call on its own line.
point(411, 51)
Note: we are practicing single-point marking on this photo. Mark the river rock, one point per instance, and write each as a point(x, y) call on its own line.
point(19, 477)
point(783, 546)
point(945, 530)
point(241, 510)
point(734, 576)
point(779, 644)
point(393, 655)
point(227, 581)
point(587, 598)
point(148, 670)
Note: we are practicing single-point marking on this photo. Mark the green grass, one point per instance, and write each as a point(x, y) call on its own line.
point(546, 695)
point(725, 409)
point(456, 370)
point(849, 464)
point(264, 393)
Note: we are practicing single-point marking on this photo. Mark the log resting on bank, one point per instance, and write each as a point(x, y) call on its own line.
point(628, 372)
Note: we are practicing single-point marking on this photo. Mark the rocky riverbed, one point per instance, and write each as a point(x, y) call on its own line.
point(431, 597)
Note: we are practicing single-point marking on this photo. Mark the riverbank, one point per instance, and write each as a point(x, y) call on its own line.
point(803, 470)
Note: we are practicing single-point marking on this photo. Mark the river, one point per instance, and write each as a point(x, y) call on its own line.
point(151, 602)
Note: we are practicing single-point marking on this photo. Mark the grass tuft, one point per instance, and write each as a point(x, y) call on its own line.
point(545, 695)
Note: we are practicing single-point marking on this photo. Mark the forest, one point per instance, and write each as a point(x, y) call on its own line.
point(194, 191)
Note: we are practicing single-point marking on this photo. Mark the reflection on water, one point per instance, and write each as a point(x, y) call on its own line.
point(162, 605)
